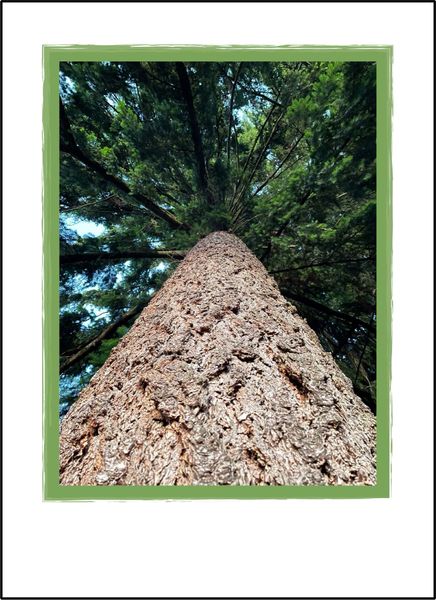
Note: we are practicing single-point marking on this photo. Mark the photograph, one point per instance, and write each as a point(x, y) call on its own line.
point(218, 300)
point(217, 293)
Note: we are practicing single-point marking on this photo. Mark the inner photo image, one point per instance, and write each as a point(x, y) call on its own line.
point(217, 226)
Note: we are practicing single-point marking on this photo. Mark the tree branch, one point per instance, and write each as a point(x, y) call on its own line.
point(117, 202)
point(261, 154)
point(195, 130)
point(282, 228)
point(98, 339)
point(232, 98)
point(322, 264)
point(364, 348)
point(81, 206)
point(258, 94)
point(68, 145)
point(247, 161)
point(263, 96)
point(327, 310)
point(274, 174)
point(69, 259)
point(151, 75)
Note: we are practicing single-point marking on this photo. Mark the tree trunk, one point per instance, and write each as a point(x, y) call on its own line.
point(219, 381)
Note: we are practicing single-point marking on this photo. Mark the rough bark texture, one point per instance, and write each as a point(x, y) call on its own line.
point(219, 381)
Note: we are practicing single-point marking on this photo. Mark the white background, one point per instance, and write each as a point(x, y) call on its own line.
point(288, 548)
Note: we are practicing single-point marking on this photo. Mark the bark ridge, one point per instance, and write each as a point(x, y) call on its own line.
point(218, 382)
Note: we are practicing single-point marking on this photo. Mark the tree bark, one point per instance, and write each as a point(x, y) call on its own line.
point(218, 382)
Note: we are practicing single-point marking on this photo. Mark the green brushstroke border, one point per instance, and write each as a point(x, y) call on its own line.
point(52, 55)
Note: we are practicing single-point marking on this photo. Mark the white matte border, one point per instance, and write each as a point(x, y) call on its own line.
point(293, 548)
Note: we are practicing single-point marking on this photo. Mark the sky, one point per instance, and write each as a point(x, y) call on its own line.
point(84, 227)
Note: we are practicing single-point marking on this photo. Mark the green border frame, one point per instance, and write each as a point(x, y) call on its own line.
point(52, 55)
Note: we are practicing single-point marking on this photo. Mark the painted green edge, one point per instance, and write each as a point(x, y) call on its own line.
point(52, 56)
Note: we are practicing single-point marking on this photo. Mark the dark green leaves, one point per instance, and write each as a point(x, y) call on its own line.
point(160, 154)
